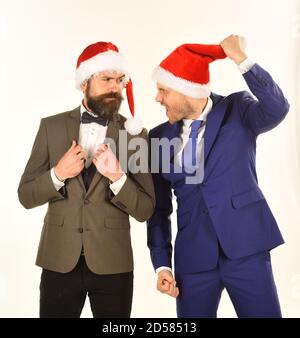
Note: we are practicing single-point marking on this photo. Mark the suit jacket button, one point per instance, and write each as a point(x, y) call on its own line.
point(203, 183)
point(80, 230)
point(86, 201)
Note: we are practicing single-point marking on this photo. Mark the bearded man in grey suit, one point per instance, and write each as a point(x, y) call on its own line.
point(85, 245)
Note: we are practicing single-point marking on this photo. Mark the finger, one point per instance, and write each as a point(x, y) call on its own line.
point(95, 160)
point(77, 148)
point(170, 286)
point(166, 285)
point(73, 145)
point(97, 156)
point(98, 153)
point(168, 277)
point(174, 293)
point(105, 148)
point(82, 155)
point(102, 147)
point(173, 290)
point(163, 286)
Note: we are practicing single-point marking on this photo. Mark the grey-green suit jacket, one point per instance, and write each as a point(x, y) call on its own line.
point(96, 219)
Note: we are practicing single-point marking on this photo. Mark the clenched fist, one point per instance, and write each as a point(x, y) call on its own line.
point(233, 48)
point(72, 162)
point(167, 284)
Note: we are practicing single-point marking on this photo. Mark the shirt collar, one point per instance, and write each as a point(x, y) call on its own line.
point(203, 116)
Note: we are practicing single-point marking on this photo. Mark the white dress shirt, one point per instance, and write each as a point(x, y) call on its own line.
point(91, 136)
point(244, 67)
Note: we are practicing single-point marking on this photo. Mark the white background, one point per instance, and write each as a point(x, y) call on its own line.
point(40, 41)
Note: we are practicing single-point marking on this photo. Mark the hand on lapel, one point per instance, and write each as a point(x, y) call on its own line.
point(107, 164)
point(72, 162)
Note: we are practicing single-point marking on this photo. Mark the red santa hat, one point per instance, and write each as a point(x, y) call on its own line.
point(186, 69)
point(105, 56)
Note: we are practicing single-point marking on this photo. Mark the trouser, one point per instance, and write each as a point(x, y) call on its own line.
point(248, 281)
point(63, 294)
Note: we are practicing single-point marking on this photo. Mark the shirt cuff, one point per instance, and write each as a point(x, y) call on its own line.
point(158, 270)
point(246, 65)
point(57, 183)
point(117, 186)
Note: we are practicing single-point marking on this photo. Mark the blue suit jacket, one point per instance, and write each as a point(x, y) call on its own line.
point(239, 214)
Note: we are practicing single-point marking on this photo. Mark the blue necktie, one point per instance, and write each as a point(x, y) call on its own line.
point(189, 151)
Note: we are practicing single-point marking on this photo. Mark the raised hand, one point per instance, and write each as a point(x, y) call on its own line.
point(233, 48)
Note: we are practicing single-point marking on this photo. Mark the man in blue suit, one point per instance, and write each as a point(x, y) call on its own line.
point(225, 227)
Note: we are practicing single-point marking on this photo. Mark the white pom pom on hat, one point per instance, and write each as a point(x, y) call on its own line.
point(105, 56)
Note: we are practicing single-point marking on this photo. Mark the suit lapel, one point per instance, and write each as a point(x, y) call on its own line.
point(173, 131)
point(214, 120)
point(73, 124)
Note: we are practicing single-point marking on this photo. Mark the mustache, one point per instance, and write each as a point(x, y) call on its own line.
point(109, 96)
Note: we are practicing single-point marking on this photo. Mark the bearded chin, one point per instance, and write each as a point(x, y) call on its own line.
point(104, 108)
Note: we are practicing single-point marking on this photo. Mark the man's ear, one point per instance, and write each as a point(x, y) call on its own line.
point(83, 86)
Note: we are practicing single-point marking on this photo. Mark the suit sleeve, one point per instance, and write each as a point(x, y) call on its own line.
point(271, 106)
point(36, 186)
point(136, 196)
point(159, 234)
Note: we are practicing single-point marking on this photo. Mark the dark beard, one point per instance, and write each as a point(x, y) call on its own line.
point(100, 106)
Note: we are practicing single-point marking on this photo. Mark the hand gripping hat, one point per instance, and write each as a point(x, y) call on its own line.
point(186, 69)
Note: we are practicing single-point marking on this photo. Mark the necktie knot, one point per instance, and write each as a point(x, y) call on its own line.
point(88, 118)
point(195, 126)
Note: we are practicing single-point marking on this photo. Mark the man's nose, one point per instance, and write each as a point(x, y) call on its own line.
point(158, 98)
point(113, 86)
